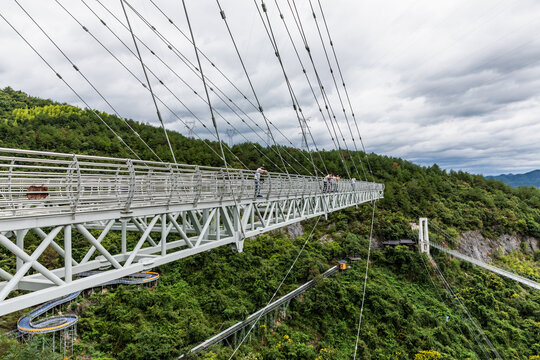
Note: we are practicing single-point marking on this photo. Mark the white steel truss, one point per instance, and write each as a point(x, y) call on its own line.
point(127, 216)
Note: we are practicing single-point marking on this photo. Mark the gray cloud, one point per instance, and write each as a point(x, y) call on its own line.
point(449, 83)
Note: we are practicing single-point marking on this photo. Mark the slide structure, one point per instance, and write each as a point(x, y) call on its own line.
point(27, 325)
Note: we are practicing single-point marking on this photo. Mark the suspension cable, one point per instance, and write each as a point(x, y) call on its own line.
point(69, 86)
point(113, 109)
point(295, 103)
point(345, 87)
point(339, 96)
point(436, 288)
point(194, 69)
point(336, 87)
point(325, 95)
point(77, 69)
point(466, 310)
point(214, 86)
point(279, 287)
point(469, 315)
point(320, 110)
point(307, 79)
point(451, 295)
point(159, 80)
point(148, 81)
point(249, 81)
point(327, 104)
point(213, 118)
point(374, 205)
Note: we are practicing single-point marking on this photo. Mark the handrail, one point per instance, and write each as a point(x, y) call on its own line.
point(35, 183)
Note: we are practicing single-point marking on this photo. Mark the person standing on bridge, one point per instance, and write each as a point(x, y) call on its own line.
point(334, 181)
point(327, 183)
point(258, 173)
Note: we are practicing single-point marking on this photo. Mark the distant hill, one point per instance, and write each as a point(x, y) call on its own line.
point(515, 180)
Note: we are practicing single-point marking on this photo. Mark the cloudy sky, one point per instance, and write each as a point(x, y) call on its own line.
point(454, 83)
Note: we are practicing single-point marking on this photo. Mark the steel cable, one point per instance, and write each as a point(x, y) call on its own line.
point(296, 106)
point(327, 105)
point(148, 82)
point(334, 78)
point(194, 69)
point(279, 287)
point(150, 70)
point(69, 86)
point(250, 83)
point(365, 279)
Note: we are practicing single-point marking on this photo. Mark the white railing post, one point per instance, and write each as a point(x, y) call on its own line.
point(75, 170)
point(241, 192)
point(269, 186)
point(198, 190)
point(131, 185)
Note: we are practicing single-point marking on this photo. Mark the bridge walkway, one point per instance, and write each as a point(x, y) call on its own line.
point(510, 275)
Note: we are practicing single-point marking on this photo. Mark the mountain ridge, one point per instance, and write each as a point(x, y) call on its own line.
point(531, 178)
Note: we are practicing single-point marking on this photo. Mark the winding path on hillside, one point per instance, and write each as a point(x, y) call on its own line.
point(27, 325)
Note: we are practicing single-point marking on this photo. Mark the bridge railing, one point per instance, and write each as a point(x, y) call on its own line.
point(35, 182)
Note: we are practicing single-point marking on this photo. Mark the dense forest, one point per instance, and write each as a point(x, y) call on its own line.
point(408, 313)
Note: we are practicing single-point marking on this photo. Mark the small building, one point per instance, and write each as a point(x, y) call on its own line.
point(407, 242)
point(342, 265)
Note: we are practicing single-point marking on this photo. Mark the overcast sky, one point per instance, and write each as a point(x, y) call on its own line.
point(455, 83)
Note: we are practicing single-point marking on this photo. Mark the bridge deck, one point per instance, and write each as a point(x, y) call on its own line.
point(43, 183)
point(162, 211)
point(504, 273)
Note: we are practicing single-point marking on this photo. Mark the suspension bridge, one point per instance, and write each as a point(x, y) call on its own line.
point(424, 246)
point(176, 210)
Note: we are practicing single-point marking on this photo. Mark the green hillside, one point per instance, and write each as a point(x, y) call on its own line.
point(406, 307)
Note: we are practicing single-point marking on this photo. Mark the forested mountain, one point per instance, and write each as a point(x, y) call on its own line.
point(407, 315)
point(532, 178)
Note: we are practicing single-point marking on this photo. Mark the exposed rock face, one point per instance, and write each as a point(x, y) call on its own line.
point(473, 244)
point(376, 243)
point(295, 230)
point(326, 239)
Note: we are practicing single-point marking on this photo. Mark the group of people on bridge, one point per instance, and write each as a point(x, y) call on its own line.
point(330, 182)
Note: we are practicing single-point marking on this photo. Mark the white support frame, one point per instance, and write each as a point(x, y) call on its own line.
point(423, 236)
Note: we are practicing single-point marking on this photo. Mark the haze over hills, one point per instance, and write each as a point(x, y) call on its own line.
point(532, 178)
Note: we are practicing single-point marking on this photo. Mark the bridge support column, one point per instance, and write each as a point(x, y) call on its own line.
point(238, 244)
point(67, 254)
point(423, 236)
point(21, 234)
point(124, 222)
